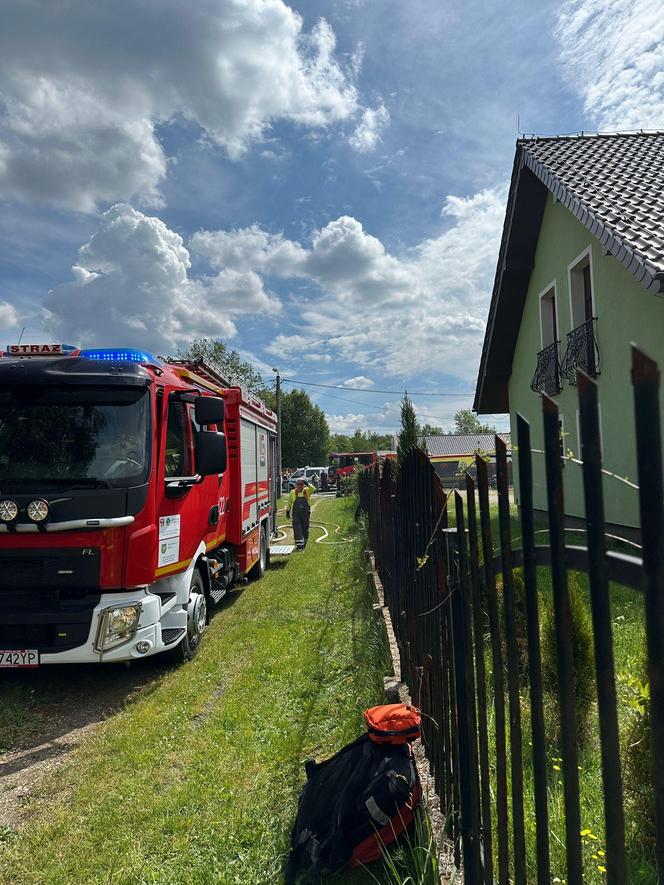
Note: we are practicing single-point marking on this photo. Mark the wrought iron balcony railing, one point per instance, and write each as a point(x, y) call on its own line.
point(582, 352)
point(547, 374)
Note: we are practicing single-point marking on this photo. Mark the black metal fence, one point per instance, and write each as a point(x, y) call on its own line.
point(441, 588)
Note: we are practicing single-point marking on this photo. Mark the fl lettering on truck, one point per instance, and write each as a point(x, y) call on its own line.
point(134, 493)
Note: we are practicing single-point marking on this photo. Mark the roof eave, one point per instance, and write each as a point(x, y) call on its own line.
point(491, 393)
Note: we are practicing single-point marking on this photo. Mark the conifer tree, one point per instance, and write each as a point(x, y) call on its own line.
point(408, 433)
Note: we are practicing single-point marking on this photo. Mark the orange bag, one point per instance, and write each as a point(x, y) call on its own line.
point(393, 723)
point(372, 848)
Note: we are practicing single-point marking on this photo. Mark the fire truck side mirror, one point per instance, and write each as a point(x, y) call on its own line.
point(209, 410)
point(210, 452)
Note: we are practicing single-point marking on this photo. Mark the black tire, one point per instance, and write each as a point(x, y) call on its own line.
point(263, 556)
point(196, 621)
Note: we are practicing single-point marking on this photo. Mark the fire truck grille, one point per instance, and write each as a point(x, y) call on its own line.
point(47, 597)
point(47, 620)
point(15, 572)
point(66, 567)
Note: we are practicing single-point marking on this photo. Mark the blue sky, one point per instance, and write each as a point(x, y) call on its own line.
point(320, 184)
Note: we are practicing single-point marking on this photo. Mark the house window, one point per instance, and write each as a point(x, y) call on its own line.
point(581, 291)
point(581, 351)
point(548, 318)
point(547, 371)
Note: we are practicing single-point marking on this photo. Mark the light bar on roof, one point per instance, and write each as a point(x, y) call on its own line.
point(121, 355)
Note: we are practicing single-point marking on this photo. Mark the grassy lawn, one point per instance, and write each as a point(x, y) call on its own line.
point(629, 652)
point(197, 779)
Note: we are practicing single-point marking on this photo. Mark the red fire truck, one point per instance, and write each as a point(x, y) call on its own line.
point(134, 492)
point(344, 463)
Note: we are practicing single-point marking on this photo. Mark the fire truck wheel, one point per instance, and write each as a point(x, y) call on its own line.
point(261, 566)
point(196, 620)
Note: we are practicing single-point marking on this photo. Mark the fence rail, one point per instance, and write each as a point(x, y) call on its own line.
point(442, 589)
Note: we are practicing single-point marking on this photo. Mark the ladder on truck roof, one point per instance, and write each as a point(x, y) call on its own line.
point(205, 373)
point(203, 370)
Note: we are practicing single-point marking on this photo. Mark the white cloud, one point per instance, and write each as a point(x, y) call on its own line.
point(132, 285)
point(83, 86)
point(360, 382)
point(292, 345)
point(8, 316)
point(613, 53)
point(367, 134)
point(248, 249)
point(235, 291)
point(347, 423)
point(403, 315)
point(422, 311)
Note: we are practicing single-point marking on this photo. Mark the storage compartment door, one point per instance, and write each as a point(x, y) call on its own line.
point(249, 477)
point(263, 471)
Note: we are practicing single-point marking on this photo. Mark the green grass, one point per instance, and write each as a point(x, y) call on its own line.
point(630, 655)
point(629, 652)
point(197, 780)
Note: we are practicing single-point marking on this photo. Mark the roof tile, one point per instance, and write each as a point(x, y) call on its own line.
point(464, 444)
point(616, 178)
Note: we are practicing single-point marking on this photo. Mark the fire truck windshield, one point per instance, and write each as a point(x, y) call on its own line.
point(68, 438)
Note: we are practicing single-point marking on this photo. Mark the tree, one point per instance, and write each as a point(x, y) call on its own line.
point(431, 430)
point(227, 362)
point(360, 441)
point(408, 433)
point(305, 435)
point(466, 422)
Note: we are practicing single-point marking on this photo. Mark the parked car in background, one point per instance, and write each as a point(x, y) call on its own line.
point(310, 474)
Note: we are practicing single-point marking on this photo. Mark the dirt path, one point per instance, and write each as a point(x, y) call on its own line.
point(45, 714)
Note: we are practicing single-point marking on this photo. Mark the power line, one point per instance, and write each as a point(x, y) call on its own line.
point(376, 390)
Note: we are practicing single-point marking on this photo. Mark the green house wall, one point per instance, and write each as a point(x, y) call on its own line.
point(625, 313)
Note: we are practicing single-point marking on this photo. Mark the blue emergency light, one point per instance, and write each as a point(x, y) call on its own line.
point(121, 355)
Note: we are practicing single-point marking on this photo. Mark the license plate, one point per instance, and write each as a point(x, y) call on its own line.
point(24, 657)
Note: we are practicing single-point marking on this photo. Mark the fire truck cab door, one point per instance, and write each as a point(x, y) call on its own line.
point(183, 507)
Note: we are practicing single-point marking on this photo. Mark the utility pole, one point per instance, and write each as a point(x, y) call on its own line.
point(278, 397)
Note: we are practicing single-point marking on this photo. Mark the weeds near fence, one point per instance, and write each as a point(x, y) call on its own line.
point(414, 861)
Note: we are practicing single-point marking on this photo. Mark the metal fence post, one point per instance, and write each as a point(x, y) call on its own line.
point(480, 679)
point(534, 652)
point(591, 455)
point(646, 381)
point(516, 741)
point(554, 485)
point(497, 668)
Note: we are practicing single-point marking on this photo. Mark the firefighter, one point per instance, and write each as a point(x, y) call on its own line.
point(298, 504)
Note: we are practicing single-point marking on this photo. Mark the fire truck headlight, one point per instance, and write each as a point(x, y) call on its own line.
point(118, 625)
point(37, 510)
point(8, 510)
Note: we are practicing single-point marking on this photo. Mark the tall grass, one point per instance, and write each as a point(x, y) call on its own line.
point(629, 652)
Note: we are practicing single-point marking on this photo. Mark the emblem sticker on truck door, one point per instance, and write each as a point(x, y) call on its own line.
point(169, 540)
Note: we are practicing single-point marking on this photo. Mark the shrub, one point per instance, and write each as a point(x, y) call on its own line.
point(637, 769)
point(347, 485)
point(583, 655)
point(520, 621)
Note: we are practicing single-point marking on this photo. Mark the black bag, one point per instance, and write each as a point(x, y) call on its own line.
point(360, 798)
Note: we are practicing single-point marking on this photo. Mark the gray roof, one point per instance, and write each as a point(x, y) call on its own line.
point(614, 185)
point(464, 444)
